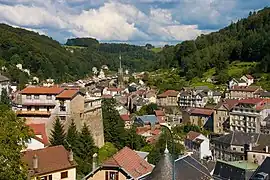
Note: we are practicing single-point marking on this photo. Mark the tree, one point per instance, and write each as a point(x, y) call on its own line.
point(133, 140)
point(13, 135)
point(106, 151)
point(114, 130)
point(86, 149)
point(57, 134)
point(4, 99)
point(72, 136)
point(147, 109)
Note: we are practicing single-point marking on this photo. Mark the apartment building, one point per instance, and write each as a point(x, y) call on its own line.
point(247, 115)
point(242, 92)
point(168, 98)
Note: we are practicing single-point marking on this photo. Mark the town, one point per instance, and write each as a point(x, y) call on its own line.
point(222, 135)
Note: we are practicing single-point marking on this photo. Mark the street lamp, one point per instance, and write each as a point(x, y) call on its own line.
point(173, 147)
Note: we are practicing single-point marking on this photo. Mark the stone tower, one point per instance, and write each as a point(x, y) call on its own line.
point(120, 74)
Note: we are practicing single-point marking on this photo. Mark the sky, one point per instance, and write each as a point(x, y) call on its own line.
point(157, 22)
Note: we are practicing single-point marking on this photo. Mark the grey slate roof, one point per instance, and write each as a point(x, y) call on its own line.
point(265, 94)
point(217, 93)
point(3, 78)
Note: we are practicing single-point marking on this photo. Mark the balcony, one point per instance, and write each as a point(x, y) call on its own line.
point(33, 113)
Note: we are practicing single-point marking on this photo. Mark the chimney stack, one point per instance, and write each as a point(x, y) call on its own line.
point(70, 156)
point(250, 146)
point(35, 162)
point(266, 149)
point(94, 161)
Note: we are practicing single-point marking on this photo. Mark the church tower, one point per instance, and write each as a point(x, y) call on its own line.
point(120, 74)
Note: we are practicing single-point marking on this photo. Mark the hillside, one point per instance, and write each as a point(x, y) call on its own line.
point(247, 40)
point(134, 58)
point(46, 58)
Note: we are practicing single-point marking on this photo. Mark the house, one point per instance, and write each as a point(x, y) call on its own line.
point(242, 92)
point(125, 164)
point(201, 117)
point(151, 133)
point(113, 91)
point(4, 84)
point(50, 163)
point(40, 139)
point(248, 79)
point(234, 170)
point(185, 168)
point(198, 142)
point(160, 116)
point(247, 115)
point(233, 146)
point(244, 81)
point(127, 120)
point(221, 115)
point(263, 171)
point(168, 98)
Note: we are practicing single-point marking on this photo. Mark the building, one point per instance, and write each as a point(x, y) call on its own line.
point(243, 92)
point(233, 146)
point(185, 168)
point(40, 139)
point(45, 104)
point(234, 170)
point(168, 98)
point(146, 119)
point(4, 83)
point(50, 163)
point(113, 91)
point(244, 81)
point(127, 120)
point(160, 116)
point(201, 117)
point(221, 115)
point(198, 142)
point(247, 115)
point(125, 164)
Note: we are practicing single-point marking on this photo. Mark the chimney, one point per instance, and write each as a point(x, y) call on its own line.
point(250, 147)
point(35, 162)
point(266, 149)
point(94, 161)
point(70, 156)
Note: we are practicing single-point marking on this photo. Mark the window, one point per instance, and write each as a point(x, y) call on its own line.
point(64, 175)
point(29, 108)
point(234, 148)
point(46, 177)
point(242, 149)
point(36, 108)
point(28, 97)
point(36, 96)
point(254, 156)
point(112, 176)
point(63, 118)
point(49, 97)
point(62, 108)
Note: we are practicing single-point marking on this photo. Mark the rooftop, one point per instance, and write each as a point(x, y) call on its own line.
point(68, 94)
point(39, 130)
point(200, 111)
point(42, 90)
point(3, 78)
point(50, 159)
point(245, 88)
point(125, 117)
point(191, 135)
point(241, 164)
point(169, 93)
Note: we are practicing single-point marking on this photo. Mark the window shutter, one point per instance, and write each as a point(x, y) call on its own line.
point(117, 176)
point(107, 175)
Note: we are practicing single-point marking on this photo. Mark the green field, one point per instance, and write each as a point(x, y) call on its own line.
point(156, 49)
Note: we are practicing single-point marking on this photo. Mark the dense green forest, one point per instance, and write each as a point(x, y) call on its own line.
point(47, 58)
point(246, 40)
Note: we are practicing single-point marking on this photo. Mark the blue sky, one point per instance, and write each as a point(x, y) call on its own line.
point(137, 21)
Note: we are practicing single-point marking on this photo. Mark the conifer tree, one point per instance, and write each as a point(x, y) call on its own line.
point(4, 99)
point(86, 149)
point(57, 134)
point(72, 136)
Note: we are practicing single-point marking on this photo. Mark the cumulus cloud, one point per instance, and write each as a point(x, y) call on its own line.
point(124, 20)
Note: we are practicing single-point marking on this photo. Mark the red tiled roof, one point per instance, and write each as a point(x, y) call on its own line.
point(141, 130)
point(39, 129)
point(131, 162)
point(107, 96)
point(191, 135)
point(153, 139)
point(125, 117)
point(156, 131)
point(159, 113)
point(252, 101)
point(68, 94)
point(230, 103)
point(245, 88)
point(50, 159)
point(169, 93)
point(201, 111)
point(42, 90)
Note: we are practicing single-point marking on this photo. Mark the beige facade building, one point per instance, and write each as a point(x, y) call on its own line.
point(168, 98)
point(242, 92)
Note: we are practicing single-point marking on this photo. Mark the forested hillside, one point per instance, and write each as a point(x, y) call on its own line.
point(46, 58)
point(247, 40)
point(134, 58)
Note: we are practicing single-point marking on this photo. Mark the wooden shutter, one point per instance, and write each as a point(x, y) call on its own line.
point(117, 176)
point(107, 175)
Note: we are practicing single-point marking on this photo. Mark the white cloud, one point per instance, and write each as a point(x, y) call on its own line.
point(111, 21)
